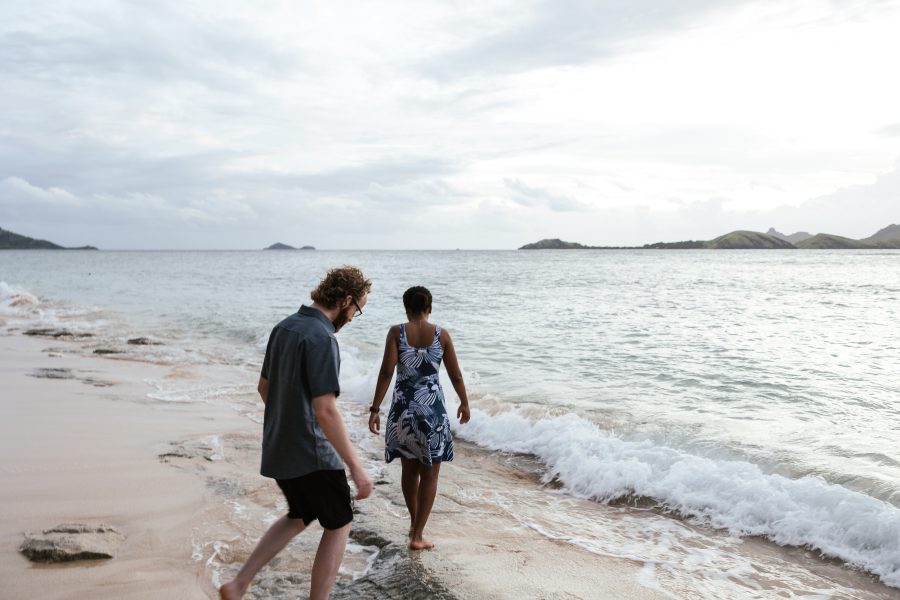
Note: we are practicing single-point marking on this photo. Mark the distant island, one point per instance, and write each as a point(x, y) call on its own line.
point(280, 246)
point(887, 238)
point(14, 241)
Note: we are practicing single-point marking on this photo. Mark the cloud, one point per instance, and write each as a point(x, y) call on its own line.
point(354, 179)
point(162, 41)
point(526, 195)
point(55, 209)
point(892, 130)
point(855, 211)
point(17, 188)
point(522, 36)
point(225, 124)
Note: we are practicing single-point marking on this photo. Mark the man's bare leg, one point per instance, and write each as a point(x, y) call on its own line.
point(409, 482)
point(271, 543)
point(328, 561)
point(428, 480)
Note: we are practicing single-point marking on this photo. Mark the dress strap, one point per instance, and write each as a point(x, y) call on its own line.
point(437, 333)
point(403, 334)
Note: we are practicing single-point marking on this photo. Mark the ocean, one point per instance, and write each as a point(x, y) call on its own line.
point(718, 400)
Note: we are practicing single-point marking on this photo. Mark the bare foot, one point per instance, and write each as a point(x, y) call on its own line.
point(420, 544)
point(231, 591)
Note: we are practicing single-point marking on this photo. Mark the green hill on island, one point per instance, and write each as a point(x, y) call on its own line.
point(826, 241)
point(887, 238)
point(744, 240)
point(14, 241)
point(554, 244)
point(891, 233)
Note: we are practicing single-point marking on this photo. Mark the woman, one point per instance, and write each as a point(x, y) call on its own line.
point(418, 429)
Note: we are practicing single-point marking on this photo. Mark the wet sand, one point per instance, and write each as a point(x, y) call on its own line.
point(80, 447)
point(82, 439)
point(82, 442)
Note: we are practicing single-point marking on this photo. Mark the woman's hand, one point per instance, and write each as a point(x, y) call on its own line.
point(374, 422)
point(462, 413)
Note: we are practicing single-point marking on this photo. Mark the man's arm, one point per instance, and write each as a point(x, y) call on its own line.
point(263, 388)
point(332, 424)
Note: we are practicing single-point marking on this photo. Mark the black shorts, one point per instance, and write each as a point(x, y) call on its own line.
point(322, 495)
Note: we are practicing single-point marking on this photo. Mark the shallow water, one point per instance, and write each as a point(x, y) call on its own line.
point(749, 392)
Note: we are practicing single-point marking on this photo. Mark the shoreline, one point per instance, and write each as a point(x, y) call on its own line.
point(78, 446)
point(85, 438)
point(82, 442)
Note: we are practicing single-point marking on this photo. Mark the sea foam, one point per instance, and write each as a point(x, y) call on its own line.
point(14, 300)
point(733, 495)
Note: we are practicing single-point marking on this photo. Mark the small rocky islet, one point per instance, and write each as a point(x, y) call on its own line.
point(280, 246)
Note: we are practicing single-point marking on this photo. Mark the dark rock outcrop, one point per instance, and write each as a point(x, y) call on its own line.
point(53, 373)
point(394, 574)
point(279, 246)
point(143, 341)
point(207, 448)
point(57, 333)
point(71, 541)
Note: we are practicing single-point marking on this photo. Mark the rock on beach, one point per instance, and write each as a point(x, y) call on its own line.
point(143, 341)
point(71, 541)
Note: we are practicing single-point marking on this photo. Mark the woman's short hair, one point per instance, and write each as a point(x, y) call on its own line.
point(339, 283)
point(417, 299)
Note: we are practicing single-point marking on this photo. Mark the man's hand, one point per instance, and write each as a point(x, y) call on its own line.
point(462, 413)
point(362, 481)
point(329, 418)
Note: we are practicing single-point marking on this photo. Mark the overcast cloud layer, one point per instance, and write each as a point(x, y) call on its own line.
point(165, 124)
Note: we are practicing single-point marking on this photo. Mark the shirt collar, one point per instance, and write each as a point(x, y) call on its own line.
point(309, 311)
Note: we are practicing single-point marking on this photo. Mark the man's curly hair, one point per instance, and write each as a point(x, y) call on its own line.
point(339, 283)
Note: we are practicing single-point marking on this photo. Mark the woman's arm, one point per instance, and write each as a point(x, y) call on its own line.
point(456, 376)
point(388, 363)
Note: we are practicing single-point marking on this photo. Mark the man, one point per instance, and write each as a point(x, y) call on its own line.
point(304, 437)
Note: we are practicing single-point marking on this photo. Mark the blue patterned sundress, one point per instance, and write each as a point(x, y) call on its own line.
point(417, 423)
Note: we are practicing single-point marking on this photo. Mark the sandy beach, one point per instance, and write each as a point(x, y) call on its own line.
point(84, 448)
point(83, 442)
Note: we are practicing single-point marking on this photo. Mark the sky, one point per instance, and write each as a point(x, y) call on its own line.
point(219, 124)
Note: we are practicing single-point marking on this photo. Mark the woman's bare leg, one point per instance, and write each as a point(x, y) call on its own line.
point(428, 480)
point(409, 482)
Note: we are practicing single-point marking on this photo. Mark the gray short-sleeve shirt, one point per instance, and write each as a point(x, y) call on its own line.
point(302, 362)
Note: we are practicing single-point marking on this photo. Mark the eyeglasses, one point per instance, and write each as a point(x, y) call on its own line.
point(358, 309)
